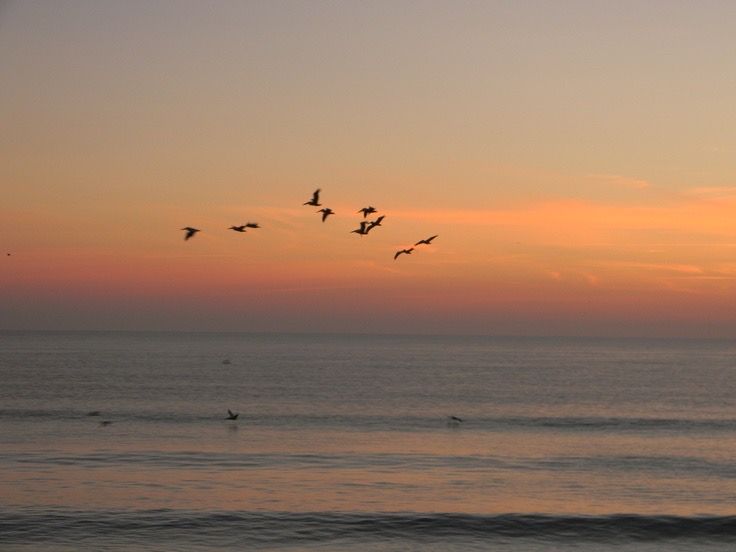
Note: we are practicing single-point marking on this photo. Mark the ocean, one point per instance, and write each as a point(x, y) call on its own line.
point(119, 441)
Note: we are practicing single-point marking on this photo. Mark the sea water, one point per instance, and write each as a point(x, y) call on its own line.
point(119, 441)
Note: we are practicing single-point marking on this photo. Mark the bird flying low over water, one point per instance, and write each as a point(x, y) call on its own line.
point(374, 223)
point(455, 419)
point(189, 232)
point(405, 251)
point(427, 241)
point(240, 228)
point(315, 199)
point(366, 211)
point(326, 212)
point(363, 230)
point(231, 415)
point(252, 225)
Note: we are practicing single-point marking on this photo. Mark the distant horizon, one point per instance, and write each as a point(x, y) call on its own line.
point(378, 335)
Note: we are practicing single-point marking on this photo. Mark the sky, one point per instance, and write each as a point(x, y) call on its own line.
point(577, 160)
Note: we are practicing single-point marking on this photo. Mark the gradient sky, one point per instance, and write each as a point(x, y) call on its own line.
point(576, 158)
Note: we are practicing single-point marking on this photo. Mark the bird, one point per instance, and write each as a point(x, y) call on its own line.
point(455, 419)
point(240, 228)
point(315, 199)
point(105, 423)
point(363, 230)
point(93, 413)
point(231, 415)
point(252, 225)
point(406, 251)
point(374, 223)
point(190, 232)
point(326, 212)
point(427, 241)
point(366, 211)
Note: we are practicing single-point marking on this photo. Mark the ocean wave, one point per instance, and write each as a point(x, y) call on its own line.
point(389, 423)
point(231, 528)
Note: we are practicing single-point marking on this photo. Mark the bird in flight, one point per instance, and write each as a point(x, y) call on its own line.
point(406, 251)
point(363, 230)
point(190, 232)
point(315, 199)
point(326, 212)
point(366, 211)
point(231, 415)
point(427, 241)
point(252, 225)
point(240, 228)
point(374, 223)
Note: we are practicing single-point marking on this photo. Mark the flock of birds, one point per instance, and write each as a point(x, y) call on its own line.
point(365, 225)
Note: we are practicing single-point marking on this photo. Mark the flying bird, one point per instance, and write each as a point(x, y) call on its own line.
point(231, 415)
point(374, 223)
point(315, 199)
point(240, 228)
point(363, 230)
point(366, 211)
point(252, 225)
point(326, 212)
point(406, 251)
point(455, 419)
point(190, 232)
point(427, 241)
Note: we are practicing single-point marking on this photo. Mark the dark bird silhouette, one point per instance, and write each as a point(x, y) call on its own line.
point(326, 212)
point(366, 211)
point(362, 230)
point(455, 419)
point(252, 225)
point(190, 232)
point(105, 423)
point(240, 228)
point(374, 223)
point(427, 241)
point(315, 199)
point(406, 251)
point(93, 413)
point(231, 415)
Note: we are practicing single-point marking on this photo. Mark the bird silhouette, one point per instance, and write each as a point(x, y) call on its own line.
point(363, 230)
point(405, 251)
point(366, 211)
point(427, 241)
point(315, 199)
point(231, 415)
point(240, 228)
point(374, 223)
point(252, 225)
point(190, 232)
point(326, 212)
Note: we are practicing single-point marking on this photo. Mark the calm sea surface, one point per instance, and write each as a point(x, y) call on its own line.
point(345, 443)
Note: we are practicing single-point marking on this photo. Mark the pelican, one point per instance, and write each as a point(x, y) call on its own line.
point(315, 199)
point(363, 230)
point(427, 241)
point(231, 415)
point(366, 211)
point(326, 212)
point(374, 223)
point(406, 251)
point(190, 232)
point(240, 228)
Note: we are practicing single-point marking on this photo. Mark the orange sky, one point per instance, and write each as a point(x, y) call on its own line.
point(575, 160)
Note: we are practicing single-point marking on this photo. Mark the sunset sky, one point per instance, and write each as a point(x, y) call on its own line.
point(577, 160)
